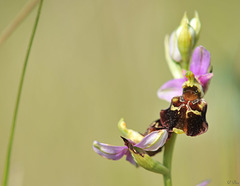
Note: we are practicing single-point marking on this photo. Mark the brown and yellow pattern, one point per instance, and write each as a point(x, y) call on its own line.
point(187, 113)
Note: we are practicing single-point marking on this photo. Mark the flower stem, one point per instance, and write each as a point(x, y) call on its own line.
point(8, 157)
point(167, 158)
point(185, 65)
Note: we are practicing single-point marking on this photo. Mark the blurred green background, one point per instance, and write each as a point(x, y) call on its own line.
point(95, 61)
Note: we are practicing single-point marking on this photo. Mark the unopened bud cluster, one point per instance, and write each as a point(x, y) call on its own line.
point(182, 41)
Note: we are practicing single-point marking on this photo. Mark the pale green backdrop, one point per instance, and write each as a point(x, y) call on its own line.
point(95, 61)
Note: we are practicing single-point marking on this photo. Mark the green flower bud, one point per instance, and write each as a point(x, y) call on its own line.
point(178, 47)
point(196, 25)
point(186, 38)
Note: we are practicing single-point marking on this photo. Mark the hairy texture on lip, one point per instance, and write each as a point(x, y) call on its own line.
point(188, 116)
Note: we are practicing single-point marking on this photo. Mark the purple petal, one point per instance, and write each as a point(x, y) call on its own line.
point(204, 183)
point(200, 61)
point(109, 151)
point(204, 80)
point(153, 141)
point(171, 89)
point(130, 158)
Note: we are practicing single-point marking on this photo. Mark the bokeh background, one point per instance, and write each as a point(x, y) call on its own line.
point(95, 61)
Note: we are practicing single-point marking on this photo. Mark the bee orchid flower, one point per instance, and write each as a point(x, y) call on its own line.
point(200, 65)
point(150, 142)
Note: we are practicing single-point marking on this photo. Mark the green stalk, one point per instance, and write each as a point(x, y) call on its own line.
point(185, 65)
point(8, 157)
point(167, 159)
